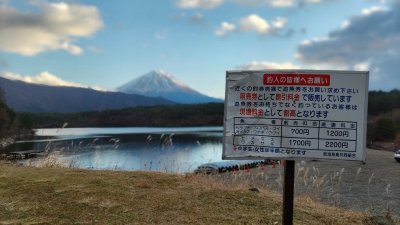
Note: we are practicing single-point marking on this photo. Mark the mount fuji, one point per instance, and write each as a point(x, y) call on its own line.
point(161, 84)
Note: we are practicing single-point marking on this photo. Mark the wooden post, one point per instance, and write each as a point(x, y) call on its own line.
point(288, 193)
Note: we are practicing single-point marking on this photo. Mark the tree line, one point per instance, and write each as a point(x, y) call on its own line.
point(380, 102)
point(209, 114)
point(383, 117)
point(13, 124)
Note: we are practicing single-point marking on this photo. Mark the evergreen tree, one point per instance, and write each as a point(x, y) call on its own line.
point(385, 129)
point(2, 96)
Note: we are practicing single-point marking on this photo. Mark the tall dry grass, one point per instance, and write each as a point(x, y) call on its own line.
point(332, 188)
point(311, 184)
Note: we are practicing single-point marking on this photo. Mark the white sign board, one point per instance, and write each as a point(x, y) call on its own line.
point(295, 114)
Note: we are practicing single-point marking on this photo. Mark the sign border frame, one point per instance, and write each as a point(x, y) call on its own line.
point(296, 71)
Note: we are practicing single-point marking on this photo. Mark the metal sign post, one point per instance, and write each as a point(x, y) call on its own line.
point(288, 193)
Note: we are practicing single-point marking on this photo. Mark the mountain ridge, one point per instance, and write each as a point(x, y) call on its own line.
point(27, 97)
point(161, 84)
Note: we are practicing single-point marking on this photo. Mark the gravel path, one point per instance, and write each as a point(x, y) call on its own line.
point(373, 187)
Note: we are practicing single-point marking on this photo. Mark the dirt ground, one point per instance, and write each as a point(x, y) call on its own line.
point(373, 187)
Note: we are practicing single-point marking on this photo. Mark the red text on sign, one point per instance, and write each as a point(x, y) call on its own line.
point(297, 79)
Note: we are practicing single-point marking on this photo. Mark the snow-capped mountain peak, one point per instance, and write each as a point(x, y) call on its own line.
point(155, 81)
point(159, 83)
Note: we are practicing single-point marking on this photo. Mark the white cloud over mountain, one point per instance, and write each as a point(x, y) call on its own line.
point(53, 26)
point(370, 40)
point(45, 78)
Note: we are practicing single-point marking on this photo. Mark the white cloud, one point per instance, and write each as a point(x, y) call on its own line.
point(360, 38)
point(56, 26)
point(368, 41)
point(207, 4)
point(273, 3)
point(71, 48)
point(373, 9)
point(252, 23)
point(282, 3)
point(46, 78)
point(225, 28)
point(279, 22)
point(312, 1)
point(345, 24)
point(255, 23)
point(261, 65)
point(362, 66)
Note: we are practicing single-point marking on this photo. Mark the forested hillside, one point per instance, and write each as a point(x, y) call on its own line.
point(384, 116)
point(210, 114)
point(380, 102)
point(12, 124)
point(28, 97)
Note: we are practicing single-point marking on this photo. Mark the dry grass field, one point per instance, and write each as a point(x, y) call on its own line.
point(53, 195)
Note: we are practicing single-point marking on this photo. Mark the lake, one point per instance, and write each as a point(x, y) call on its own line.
point(175, 150)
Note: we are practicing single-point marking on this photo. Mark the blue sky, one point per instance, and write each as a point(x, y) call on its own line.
point(104, 44)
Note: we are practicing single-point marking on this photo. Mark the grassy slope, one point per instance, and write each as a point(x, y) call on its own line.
point(69, 196)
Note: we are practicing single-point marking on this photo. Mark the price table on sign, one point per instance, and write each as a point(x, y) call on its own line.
point(281, 135)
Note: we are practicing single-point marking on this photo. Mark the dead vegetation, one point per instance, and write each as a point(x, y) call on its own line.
point(55, 195)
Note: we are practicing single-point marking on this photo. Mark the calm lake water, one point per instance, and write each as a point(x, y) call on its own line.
point(175, 150)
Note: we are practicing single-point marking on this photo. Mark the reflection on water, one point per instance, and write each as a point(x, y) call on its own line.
point(174, 150)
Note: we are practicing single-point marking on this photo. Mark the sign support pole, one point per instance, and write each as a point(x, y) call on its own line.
point(288, 193)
